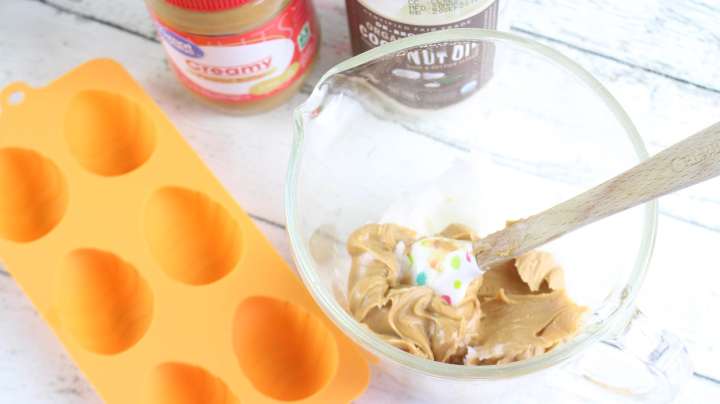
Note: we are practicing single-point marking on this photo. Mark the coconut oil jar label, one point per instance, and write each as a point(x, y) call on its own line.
point(428, 76)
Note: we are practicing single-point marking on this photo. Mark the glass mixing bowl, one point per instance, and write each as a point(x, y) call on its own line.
point(536, 131)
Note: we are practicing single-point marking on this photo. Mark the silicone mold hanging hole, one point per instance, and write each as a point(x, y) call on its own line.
point(34, 195)
point(108, 134)
point(286, 352)
point(102, 301)
point(193, 238)
point(178, 383)
point(15, 98)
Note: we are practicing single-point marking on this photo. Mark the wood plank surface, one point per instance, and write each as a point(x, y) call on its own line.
point(652, 55)
point(678, 39)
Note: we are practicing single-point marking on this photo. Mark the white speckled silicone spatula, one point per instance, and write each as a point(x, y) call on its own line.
point(686, 163)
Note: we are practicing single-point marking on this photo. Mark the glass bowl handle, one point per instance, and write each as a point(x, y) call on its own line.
point(639, 363)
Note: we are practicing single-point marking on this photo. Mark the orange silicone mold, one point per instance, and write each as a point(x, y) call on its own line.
point(160, 287)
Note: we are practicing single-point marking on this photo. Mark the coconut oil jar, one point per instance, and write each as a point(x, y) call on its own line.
point(432, 76)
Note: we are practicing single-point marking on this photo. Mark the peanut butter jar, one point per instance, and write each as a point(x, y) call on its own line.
point(242, 56)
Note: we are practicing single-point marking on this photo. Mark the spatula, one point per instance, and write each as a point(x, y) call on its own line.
point(693, 160)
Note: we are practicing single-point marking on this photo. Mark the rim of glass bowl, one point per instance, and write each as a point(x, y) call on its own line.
point(374, 344)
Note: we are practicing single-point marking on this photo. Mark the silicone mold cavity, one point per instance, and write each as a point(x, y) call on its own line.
point(178, 383)
point(140, 261)
point(34, 195)
point(193, 238)
point(285, 351)
point(108, 134)
point(102, 301)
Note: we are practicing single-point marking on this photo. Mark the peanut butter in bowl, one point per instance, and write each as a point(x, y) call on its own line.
point(428, 297)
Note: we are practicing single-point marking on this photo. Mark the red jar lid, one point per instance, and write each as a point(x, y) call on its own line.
point(207, 5)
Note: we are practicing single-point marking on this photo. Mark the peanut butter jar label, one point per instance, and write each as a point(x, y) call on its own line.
point(429, 76)
point(248, 66)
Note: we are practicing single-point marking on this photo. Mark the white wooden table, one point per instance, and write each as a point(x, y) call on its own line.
point(660, 58)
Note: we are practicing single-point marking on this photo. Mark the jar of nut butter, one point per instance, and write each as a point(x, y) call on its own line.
point(243, 56)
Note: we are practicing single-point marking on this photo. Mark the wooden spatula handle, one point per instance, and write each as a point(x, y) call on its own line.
point(686, 163)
